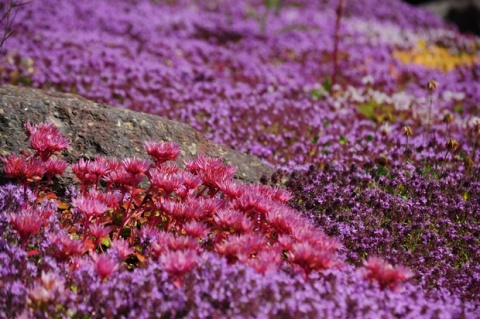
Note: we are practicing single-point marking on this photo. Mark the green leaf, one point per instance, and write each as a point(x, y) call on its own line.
point(272, 4)
point(343, 140)
point(381, 171)
point(327, 84)
point(316, 95)
point(458, 108)
point(105, 242)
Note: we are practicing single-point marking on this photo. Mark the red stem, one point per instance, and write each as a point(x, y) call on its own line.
point(336, 39)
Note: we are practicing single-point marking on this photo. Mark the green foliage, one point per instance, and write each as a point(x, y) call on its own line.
point(327, 84)
point(273, 5)
point(377, 112)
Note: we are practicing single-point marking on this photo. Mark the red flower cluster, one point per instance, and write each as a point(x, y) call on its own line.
point(153, 210)
point(45, 140)
point(376, 269)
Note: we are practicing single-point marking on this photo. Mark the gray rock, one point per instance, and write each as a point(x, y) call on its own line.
point(105, 130)
point(465, 14)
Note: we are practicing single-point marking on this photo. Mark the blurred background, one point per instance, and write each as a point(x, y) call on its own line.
point(464, 13)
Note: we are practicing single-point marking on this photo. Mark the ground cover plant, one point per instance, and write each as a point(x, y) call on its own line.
point(369, 109)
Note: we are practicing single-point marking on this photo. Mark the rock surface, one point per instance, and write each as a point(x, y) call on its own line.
point(106, 130)
point(465, 14)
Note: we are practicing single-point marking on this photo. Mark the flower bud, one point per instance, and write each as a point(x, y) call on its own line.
point(448, 118)
point(452, 144)
point(476, 127)
point(432, 85)
point(382, 161)
point(407, 130)
point(468, 162)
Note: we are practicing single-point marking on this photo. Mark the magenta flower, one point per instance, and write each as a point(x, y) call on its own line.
point(90, 207)
point(241, 247)
point(387, 276)
point(162, 152)
point(232, 221)
point(26, 224)
point(91, 172)
point(189, 180)
point(178, 262)
point(65, 247)
point(283, 221)
point(195, 229)
point(123, 178)
point(25, 170)
point(45, 139)
point(179, 211)
point(55, 167)
point(104, 265)
point(99, 232)
point(231, 189)
point(49, 287)
point(211, 170)
point(308, 257)
point(169, 183)
point(266, 260)
point(110, 198)
point(135, 166)
point(182, 243)
point(122, 248)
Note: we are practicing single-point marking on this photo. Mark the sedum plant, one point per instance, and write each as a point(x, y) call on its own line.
point(137, 213)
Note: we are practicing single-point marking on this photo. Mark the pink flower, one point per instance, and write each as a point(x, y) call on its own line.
point(266, 260)
point(48, 287)
point(232, 221)
point(91, 207)
point(104, 265)
point(160, 244)
point(179, 211)
point(162, 152)
point(167, 182)
point(67, 247)
point(315, 238)
point(135, 166)
point(309, 257)
point(111, 199)
point(82, 169)
point(376, 269)
point(212, 171)
point(90, 172)
point(123, 178)
point(22, 169)
point(182, 243)
point(273, 193)
point(283, 220)
point(26, 224)
point(55, 167)
point(99, 232)
point(196, 229)
point(208, 206)
point(189, 180)
point(45, 139)
point(241, 247)
point(179, 262)
point(231, 189)
point(252, 203)
point(122, 248)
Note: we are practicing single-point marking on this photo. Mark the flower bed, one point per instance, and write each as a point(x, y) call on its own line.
point(375, 132)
